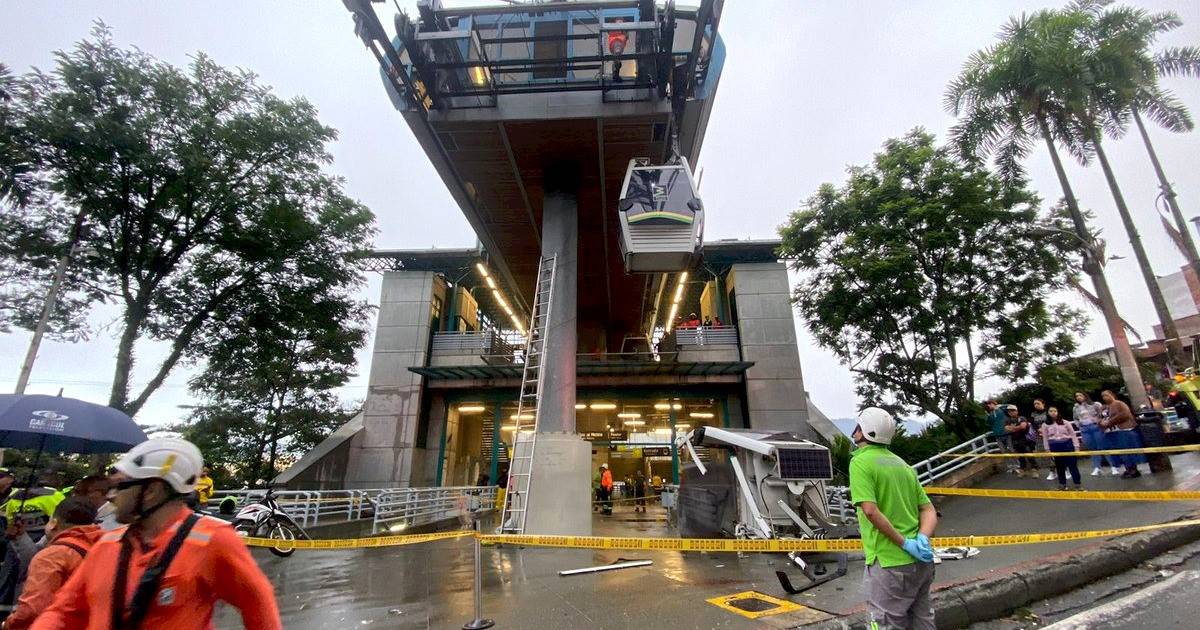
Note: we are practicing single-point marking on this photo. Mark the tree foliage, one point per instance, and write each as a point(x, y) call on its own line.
point(271, 377)
point(203, 195)
point(923, 272)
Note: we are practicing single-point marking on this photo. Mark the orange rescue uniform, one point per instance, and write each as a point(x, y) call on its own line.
point(213, 564)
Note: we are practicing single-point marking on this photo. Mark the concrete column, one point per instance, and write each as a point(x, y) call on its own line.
point(560, 491)
point(560, 236)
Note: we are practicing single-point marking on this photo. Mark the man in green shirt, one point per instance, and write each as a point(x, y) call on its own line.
point(896, 520)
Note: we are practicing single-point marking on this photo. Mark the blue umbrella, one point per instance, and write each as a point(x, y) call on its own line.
point(64, 425)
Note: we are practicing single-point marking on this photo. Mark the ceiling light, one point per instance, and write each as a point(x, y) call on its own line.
point(682, 426)
point(663, 430)
point(509, 427)
point(478, 76)
point(678, 293)
point(635, 423)
point(662, 406)
point(482, 270)
point(603, 406)
point(580, 406)
point(677, 406)
point(671, 316)
point(629, 414)
point(524, 416)
point(491, 283)
point(700, 414)
point(471, 409)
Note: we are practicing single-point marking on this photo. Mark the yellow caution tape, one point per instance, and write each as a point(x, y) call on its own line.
point(1184, 448)
point(357, 543)
point(1059, 495)
point(704, 544)
point(782, 545)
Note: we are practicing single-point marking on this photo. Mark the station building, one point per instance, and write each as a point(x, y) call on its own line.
point(533, 115)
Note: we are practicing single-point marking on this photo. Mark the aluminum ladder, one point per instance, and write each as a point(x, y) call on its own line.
point(520, 475)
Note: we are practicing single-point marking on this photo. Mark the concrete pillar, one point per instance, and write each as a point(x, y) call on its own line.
point(774, 385)
point(560, 490)
point(560, 236)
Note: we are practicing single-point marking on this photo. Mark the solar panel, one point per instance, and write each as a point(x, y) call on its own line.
point(804, 463)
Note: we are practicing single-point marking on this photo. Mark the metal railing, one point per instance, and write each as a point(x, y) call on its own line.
point(938, 466)
point(707, 336)
point(310, 507)
point(401, 508)
point(471, 342)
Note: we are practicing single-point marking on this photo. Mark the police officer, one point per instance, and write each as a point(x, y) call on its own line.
point(896, 520)
point(168, 566)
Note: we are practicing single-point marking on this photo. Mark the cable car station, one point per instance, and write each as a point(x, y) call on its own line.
point(592, 323)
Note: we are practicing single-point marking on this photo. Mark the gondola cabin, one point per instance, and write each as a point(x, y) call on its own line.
point(662, 218)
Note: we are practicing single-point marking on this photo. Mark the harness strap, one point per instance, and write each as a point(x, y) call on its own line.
point(148, 584)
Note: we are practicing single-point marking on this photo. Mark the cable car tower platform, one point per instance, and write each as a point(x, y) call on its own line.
point(532, 114)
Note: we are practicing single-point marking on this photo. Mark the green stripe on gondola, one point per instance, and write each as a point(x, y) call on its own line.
point(672, 216)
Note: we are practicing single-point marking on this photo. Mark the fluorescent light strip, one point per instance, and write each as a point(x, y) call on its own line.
point(603, 406)
point(700, 414)
point(635, 423)
point(629, 414)
point(471, 408)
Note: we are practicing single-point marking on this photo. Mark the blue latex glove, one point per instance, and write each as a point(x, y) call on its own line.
point(926, 548)
point(913, 547)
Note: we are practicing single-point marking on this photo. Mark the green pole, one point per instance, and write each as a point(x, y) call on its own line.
point(495, 469)
point(674, 449)
point(442, 447)
point(725, 411)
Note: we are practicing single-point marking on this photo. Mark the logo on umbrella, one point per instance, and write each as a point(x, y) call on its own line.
point(47, 420)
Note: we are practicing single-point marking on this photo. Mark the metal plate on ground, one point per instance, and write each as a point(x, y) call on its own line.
point(752, 604)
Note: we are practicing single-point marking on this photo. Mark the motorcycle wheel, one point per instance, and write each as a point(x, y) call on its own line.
point(277, 530)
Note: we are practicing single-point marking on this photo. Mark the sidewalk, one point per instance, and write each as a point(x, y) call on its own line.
point(428, 586)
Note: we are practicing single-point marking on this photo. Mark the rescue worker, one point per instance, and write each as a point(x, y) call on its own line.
point(896, 520)
point(34, 507)
point(71, 532)
point(169, 566)
point(204, 487)
point(606, 488)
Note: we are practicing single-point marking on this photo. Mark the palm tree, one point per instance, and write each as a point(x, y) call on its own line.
point(1005, 99)
point(1104, 79)
point(1125, 36)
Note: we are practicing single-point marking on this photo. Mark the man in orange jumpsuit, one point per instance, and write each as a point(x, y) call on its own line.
point(168, 566)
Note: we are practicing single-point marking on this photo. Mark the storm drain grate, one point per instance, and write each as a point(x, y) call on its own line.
point(752, 604)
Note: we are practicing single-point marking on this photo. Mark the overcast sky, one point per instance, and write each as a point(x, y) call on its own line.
point(807, 89)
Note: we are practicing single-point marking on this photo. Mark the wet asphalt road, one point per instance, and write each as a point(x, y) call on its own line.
point(428, 586)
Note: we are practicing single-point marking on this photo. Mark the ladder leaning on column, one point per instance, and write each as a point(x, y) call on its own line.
point(520, 474)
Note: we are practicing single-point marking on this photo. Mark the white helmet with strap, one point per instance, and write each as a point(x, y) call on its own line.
point(877, 425)
point(175, 461)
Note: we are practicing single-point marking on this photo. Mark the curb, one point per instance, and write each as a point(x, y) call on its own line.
point(960, 604)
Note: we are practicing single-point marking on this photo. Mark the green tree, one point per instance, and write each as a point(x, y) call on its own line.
point(202, 192)
point(271, 376)
point(1007, 98)
point(920, 274)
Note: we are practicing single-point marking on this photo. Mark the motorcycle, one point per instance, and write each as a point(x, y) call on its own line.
point(265, 519)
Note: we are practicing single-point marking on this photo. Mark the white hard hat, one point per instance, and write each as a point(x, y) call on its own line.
point(604, 465)
point(877, 425)
point(177, 462)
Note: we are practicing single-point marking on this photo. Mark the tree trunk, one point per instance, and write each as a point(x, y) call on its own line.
point(1170, 332)
point(1185, 233)
point(135, 316)
point(1094, 268)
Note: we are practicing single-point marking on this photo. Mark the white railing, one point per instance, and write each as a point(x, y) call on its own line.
point(309, 507)
point(401, 508)
point(938, 466)
point(706, 336)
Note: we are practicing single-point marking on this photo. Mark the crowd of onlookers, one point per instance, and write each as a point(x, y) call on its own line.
point(1105, 425)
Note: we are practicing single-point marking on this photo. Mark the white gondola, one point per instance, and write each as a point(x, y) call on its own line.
point(662, 218)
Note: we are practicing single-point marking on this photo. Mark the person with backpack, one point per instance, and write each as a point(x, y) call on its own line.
point(1017, 427)
point(168, 566)
point(71, 532)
